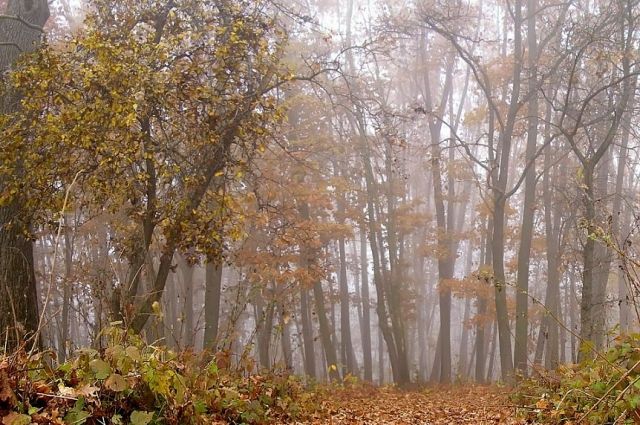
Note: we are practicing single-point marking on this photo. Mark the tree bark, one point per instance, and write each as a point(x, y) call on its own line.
point(325, 332)
point(367, 352)
point(307, 335)
point(212, 298)
point(348, 354)
point(188, 329)
point(18, 288)
point(526, 233)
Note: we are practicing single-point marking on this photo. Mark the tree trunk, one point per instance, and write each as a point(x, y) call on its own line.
point(212, 297)
point(444, 219)
point(67, 290)
point(188, 328)
point(381, 308)
point(621, 219)
point(285, 324)
point(325, 332)
point(367, 352)
point(307, 335)
point(481, 341)
point(492, 355)
point(170, 298)
point(380, 357)
point(18, 288)
point(464, 341)
point(526, 234)
point(346, 346)
point(499, 202)
point(265, 309)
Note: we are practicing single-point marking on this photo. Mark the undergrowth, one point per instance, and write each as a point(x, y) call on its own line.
point(130, 382)
point(603, 390)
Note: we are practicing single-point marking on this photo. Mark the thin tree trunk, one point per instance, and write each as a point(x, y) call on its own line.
point(325, 333)
point(492, 356)
point(366, 308)
point(481, 341)
point(620, 218)
point(66, 294)
point(212, 298)
point(284, 322)
point(307, 335)
point(464, 340)
point(526, 233)
point(188, 328)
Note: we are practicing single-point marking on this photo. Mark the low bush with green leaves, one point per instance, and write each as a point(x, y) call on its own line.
point(602, 390)
point(130, 382)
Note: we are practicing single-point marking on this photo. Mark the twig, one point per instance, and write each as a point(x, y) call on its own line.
point(65, 397)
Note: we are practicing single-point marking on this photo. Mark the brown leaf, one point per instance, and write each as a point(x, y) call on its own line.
point(6, 393)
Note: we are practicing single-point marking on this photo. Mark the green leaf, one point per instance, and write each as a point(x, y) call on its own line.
point(100, 368)
point(65, 367)
point(634, 401)
point(141, 418)
point(200, 407)
point(76, 417)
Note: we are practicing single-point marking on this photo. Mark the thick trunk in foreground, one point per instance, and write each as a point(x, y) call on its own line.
point(18, 290)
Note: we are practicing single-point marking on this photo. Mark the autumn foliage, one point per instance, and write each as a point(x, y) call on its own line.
point(129, 382)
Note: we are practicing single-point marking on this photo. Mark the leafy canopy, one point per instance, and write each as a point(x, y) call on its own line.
point(150, 109)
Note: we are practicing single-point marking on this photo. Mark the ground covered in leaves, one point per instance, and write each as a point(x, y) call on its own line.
point(130, 382)
point(455, 405)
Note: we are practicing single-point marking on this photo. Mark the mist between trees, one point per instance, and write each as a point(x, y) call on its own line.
point(404, 192)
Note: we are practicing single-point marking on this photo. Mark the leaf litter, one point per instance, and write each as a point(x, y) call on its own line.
point(479, 405)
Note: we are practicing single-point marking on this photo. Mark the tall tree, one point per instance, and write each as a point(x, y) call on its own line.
point(590, 140)
point(20, 32)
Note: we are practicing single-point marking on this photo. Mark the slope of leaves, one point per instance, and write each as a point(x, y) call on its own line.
point(604, 390)
point(130, 382)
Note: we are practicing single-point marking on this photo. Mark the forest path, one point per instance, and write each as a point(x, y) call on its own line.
point(469, 404)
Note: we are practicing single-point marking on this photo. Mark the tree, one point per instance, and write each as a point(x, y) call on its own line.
point(583, 105)
point(20, 32)
point(145, 109)
point(520, 354)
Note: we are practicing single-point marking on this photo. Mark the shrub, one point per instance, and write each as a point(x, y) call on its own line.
point(131, 382)
point(603, 390)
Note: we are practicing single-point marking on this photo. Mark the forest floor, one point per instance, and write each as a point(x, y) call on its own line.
point(470, 404)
